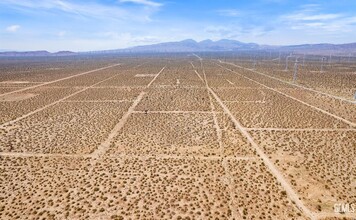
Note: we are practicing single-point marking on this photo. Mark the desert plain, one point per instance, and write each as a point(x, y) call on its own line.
point(185, 137)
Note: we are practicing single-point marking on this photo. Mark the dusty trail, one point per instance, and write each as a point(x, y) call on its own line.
point(290, 192)
point(291, 97)
point(212, 110)
point(15, 154)
point(192, 65)
point(293, 84)
point(199, 75)
point(279, 176)
point(52, 104)
point(103, 147)
point(65, 98)
point(212, 107)
point(149, 84)
point(262, 101)
point(197, 57)
point(106, 144)
point(293, 195)
point(231, 83)
point(300, 129)
point(97, 101)
point(185, 157)
point(58, 80)
point(173, 112)
point(228, 178)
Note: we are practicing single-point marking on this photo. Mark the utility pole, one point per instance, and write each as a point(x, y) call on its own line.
point(290, 55)
point(295, 70)
point(322, 62)
point(254, 63)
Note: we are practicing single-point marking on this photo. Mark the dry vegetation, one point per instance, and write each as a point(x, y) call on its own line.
point(335, 106)
point(103, 94)
point(69, 128)
point(161, 138)
point(337, 77)
point(175, 99)
point(17, 104)
point(319, 164)
point(279, 111)
point(232, 141)
point(185, 76)
point(171, 134)
point(257, 194)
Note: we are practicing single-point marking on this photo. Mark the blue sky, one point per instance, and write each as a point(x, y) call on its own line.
point(82, 25)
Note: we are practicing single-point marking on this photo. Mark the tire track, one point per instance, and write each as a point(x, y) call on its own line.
point(293, 196)
point(291, 97)
point(299, 86)
point(58, 80)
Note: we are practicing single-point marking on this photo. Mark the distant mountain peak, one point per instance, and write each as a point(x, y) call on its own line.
point(36, 53)
point(206, 41)
point(208, 45)
point(228, 40)
point(190, 45)
point(188, 41)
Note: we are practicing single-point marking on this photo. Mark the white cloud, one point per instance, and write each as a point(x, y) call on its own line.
point(143, 2)
point(308, 16)
point(129, 38)
point(62, 33)
point(221, 30)
point(236, 32)
point(229, 12)
point(311, 19)
point(13, 28)
point(91, 9)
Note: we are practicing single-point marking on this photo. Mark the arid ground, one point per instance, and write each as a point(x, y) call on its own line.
point(186, 137)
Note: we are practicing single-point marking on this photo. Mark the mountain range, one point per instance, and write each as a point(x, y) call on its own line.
point(36, 53)
point(190, 45)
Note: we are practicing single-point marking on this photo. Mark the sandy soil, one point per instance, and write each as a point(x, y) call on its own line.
point(183, 138)
point(17, 97)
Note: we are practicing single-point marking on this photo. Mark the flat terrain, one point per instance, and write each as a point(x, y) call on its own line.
point(175, 138)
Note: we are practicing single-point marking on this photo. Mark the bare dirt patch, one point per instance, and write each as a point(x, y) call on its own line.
point(17, 97)
point(169, 134)
point(15, 82)
point(145, 75)
point(319, 164)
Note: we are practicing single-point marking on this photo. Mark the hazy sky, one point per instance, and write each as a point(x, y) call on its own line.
point(81, 25)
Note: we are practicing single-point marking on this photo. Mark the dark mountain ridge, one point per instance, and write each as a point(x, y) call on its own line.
point(190, 45)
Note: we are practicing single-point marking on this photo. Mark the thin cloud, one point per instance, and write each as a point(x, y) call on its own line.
point(90, 10)
point(129, 38)
point(62, 33)
point(312, 19)
point(302, 16)
point(13, 28)
point(218, 30)
point(143, 2)
point(236, 31)
point(229, 12)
